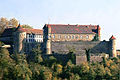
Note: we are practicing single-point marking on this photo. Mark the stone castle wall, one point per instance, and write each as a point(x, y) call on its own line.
point(29, 46)
point(80, 46)
point(97, 48)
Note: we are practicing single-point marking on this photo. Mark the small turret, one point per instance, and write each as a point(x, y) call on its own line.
point(112, 46)
point(98, 31)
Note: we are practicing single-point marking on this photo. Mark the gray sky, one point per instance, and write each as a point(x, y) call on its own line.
point(36, 13)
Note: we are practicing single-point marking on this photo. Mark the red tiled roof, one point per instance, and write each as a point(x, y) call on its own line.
point(61, 28)
point(34, 31)
point(112, 37)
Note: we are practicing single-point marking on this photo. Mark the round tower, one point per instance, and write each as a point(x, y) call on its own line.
point(112, 46)
point(47, 38)
point(19, 38)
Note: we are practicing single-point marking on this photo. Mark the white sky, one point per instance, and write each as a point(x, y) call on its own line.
point(36, 13)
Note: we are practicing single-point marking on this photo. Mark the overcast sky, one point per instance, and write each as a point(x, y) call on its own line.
point(36, 13)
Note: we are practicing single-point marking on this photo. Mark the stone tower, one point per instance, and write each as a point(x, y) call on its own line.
point(98, 31)
point(47, 39)
point(112, 47)
point(19, 39)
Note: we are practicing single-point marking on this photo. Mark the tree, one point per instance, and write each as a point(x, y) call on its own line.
point(21, 68)
point(27, 26)
point(58, 68)
point(100, 71)
point(13, 22)
point(3, 24)
point(87, 51)
point(96, 38)
point(5, 64)
point(35, 55)
point(71, 55)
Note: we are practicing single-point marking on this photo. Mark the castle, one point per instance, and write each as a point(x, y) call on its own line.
point(22, 40)
point(60, 38)
point(26, 39)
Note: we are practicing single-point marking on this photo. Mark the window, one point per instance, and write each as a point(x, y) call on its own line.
point(53, 35)
point(73, 36)
point(59, 36)
point(29, 40)
point(65, 36)
point(81, 37)
point(87, 37)
point(69, 37)
point(76, 37)
point(29, 36)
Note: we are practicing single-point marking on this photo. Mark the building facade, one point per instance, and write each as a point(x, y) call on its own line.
point(26, 39)
point(61, 32)
point(59, 37)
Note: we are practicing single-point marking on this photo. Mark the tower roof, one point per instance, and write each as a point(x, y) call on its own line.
point(112, 37)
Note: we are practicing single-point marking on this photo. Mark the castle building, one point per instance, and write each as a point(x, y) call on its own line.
point(59, 38)
point(61, 32)
point(26, 39)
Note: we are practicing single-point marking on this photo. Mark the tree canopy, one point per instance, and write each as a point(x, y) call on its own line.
point(27, 26)
point(22, 67)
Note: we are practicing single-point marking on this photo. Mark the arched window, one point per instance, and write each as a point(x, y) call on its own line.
point(65, 36)
point(73, 36)
point(76, 37)
point(81, 36)
point(69, 37)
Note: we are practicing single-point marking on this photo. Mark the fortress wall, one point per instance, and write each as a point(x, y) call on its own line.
point(29, 46)
point(60, 57)
point(63, 47)
point(82, 59)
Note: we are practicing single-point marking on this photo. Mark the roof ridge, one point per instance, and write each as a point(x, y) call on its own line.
point(69, 25)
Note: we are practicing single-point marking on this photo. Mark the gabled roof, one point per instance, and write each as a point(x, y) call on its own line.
point(68, 29)
point(30, 31)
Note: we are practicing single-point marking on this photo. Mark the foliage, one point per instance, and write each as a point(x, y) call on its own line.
point(27, 26)
point(35, 55)
point(88, 54)
point(13, 22)
point(71, 56)
point(96, 38)
point(4, 23)
point(18, 67)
